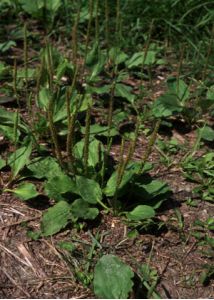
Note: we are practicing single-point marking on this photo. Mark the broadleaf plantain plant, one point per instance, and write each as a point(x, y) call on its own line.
point(63, 149)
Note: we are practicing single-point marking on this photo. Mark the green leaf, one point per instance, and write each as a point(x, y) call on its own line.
point(104, 89)
point(56, 186)
point(20, 158)
point(34, 235)
point(141, 212)
point(7, 45)
point(100, 130)
point(92, 56)
point(56, 218)
point(70, 247)
point(25, 191)
point(7, 117)
point(89, 190)
point(81, 209)
point(124, 91)
point(62, 68)
point(4, 72)
point(97, 68)
point(117, 56)
point(8, 132)
point(210, 93)
point(154, 191)
point(31, 7)
point(111, 185)
point(96, 151)
point(44, 98)
point(36, 7)
point(87, 101)
point(53, 5)
point(139, 58)
point(2, 163)
point(44, 167)
point(207, 133)
point(178, 88)
point(166, 105)
point(21, 73)
point(112, 278)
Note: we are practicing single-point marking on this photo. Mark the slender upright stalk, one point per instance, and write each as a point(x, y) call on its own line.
point(86, 140)
point(71, 122)
point(15, 82)
point(133, 143)
point(107, 23)
point(39, 76)
point(180, 66)
point(51, 108)
point(91, 8)
point(150, 145)
point(26, 60)
point(111, 106)
point(121, 162)
point(97, 20)
point(15, 129)
point(74, 37)
point(119, 174)
point(117, 19)
point(131, 149)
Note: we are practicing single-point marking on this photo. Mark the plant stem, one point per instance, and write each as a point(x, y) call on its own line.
point(119, 173)
point(107, 23)
point(51, 108)
point(91, 6)
point(97, 21)
point(26, 60)
point(74, 37)
point(86, 140)
point(71, 122)
point(150, 145)
point(15, 82)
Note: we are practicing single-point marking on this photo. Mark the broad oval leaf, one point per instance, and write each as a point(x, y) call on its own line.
point(56, 186)
point(81, 209)
point(89, 190)
point(56, 218)
point(140, 58)
point(8, 132)
point(210, 93)
point(178, 88)
point(154, 191)
point(131, 170)
point(2, 163)
point(25, 191)
point(112, 278)
point(44, 98)
point(207, 133)
point(44, 167)
point(117, 56)
point(141, 212)
point(124, 91)
point(166, 105)
point(96, 151)
point(20, 158)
